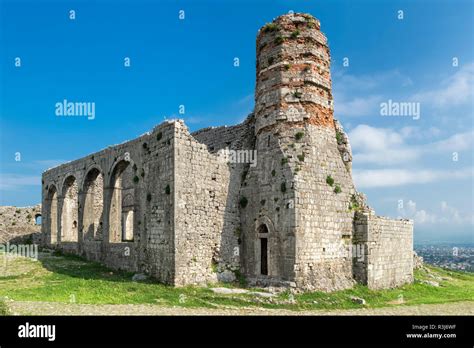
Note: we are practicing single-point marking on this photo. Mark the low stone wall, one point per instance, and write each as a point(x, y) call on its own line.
point(18, 224)
point(387, 259)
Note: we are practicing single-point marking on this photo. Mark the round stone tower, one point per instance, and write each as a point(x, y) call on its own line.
point(293, 77)
point(296, 222)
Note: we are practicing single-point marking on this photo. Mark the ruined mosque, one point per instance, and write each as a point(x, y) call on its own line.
point(172, 206)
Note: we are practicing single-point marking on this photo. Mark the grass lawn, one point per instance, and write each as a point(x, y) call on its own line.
point(71, 279)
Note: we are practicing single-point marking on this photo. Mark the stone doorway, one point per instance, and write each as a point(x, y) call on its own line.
point(263, 236)
point(264, 256)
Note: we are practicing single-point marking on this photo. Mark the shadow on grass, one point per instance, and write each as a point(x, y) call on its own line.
point(78, 267)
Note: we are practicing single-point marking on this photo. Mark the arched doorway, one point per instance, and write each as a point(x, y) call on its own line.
point(263, 236)
point(121, 213)
point(69, 210)
point(92, 213)
point(52, 215)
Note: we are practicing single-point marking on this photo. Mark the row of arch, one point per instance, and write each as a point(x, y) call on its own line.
point(88, 211)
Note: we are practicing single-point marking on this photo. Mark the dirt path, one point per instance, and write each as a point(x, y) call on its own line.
point(56, 308)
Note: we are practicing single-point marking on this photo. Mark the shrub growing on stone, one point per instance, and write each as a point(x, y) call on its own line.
point(279, 40)
point(354, 205)
point(269, 27)
point(243, 202)
point(295, 34)
point(329, 180)
point(283, 187)
point(167, 189)
point(337, 189)
point(273, 172)
point(159, 136)
point(136, 179)
point(270, 60)
point(299, 135)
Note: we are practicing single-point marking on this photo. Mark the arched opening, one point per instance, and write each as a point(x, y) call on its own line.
point(92, 213)
point(121, 216)
point(69, 211)
point(51, 218)
point(38, 219)
point(127, 218)
point(263, 235)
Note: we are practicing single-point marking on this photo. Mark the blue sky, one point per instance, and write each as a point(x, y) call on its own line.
point(190, 62)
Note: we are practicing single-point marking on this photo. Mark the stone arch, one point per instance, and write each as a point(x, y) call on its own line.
point(121, 203)
point(265, 234)
point(265, 220)
point(51, 218)
point(92, 207)
point(69, 210)
point(117, 163)
point(38, 219)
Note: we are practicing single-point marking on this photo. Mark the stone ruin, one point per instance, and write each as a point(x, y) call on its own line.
point(20, 225)
point(170, 204)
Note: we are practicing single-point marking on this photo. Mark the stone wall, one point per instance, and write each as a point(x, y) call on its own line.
point(238, 137)
point(387, 259)
point(207, 189)
point(112, 206)
point(19, 224)
point(324, 216)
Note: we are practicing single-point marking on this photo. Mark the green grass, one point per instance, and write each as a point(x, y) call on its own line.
point(66, 279)
point(3, 308)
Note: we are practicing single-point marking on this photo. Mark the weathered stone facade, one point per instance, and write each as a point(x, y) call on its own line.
point(20, 224)
point(282, 210)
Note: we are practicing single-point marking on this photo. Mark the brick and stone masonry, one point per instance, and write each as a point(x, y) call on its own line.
point(170, 204)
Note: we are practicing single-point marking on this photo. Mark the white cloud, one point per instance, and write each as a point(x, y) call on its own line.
point(419, 133)
point(14, 181)
point(360, 95)
point(455, 90)
point(347, 90)
point(385, 146)
point(443, 214)
point(397, 177)
point(357, 106)
point(456, 142)
point(358, 83)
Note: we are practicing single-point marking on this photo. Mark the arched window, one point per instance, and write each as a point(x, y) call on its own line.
point(51, 218)
point(92, 213)
point(262, 229)
point(121, 215)
point(69, 211)
point(38, 219)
